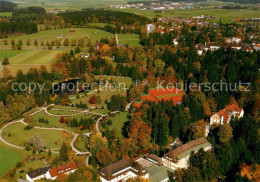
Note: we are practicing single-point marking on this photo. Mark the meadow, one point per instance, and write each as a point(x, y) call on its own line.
point(13, 156)
point(9, 53)
point(129, 39)
point(19, 136)
point(118, 122)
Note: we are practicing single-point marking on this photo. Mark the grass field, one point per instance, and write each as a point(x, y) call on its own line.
point(129, 39)
point(52, 35)
point(13, 156)
point(99, 25)
point(19, 136)
point(41, 57)
point(6, 14)
point(9, 53)
point(81, 143)
point(118, 123)
point(119, 80)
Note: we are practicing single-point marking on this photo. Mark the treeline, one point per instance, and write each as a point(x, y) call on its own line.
point(103, 16)
point(6, 6)
point(7, 28)
point(29, 11)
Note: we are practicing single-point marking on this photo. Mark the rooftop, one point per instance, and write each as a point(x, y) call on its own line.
point(38, 172)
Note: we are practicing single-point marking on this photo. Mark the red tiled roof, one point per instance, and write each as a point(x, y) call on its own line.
point(63, 169)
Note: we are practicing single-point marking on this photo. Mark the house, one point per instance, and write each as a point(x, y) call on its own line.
point(64, 169)
point(150, 28)
point(214, 47)
point(179, 157)
point(37, 174)
point(175, 42)
point(84, 55)
point(236, 40)
point(154, 159)
point(122, 171)
point(257, 47)
point(223, 116)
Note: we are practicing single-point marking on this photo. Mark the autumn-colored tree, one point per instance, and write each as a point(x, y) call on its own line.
point(73, 43)
point(170, 76)
point(66, 42)
point(62, 177)
point(197, 130)
point(4, 113)
point(135, 93)
point(28, 42)
point(35, 42)
point(105, 157)
point(140, 132)
point(206, 108)
point(92, 99)
point(5, 61)
point(62, 120)
point(97, 142)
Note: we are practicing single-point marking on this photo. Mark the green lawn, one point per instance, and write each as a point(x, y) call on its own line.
point(8, 158)
point(41, 57)
point(118, 123)
point(19, 136)
point(99, 25)
point(81, 143)
point(119, 80)
point(9, 53)
point(129, 39)
point(6, 14)
point(52, 35)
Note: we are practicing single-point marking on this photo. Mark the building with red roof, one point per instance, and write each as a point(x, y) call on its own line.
point(159, 94)
point(64, 169)
point(223, 116)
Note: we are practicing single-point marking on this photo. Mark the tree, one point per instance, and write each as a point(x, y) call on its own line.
point(66, 42)
point(105, 157)
point(28, 42)
point(6, 61)
point(4, 113)
point(225, 133)
point(37, 143)
point(19, 46)
point(109, 122)
point(62, 120)
point(64, 152)
point(49, 153)
point(97, 142)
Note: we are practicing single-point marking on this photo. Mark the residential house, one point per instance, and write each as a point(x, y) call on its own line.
point(223, 116)
point(64, 169)
point(37, 174)
point(179, 157)
point(236, 40)
point(122, 171)
point(154, 159)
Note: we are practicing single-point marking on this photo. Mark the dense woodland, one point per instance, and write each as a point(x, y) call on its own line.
point(6, 6)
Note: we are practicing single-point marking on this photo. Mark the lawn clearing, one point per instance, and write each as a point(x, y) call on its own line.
point(99, 25)
point(41, 57)
point(129, 39)
point(9, 53)
point(8, 158)
point(118, 123)
point(81, 143)
point(19, 136)
point(6, 14)
point(119, 80)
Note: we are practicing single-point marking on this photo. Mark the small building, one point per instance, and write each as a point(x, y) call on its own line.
point(64, 169)
point(37, 174)
point(154, 159)
point(122, 171)
point(150, 28)
point(223, 116)
point(236, 40)
point(84, 55)
point(179, 157)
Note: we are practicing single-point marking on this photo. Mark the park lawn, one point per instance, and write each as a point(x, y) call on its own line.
point(9, 53)
point(129, 39)
point(6, 14)
point(119, 80)
point(13, 155)
point(52, 35)
point(54, 120)
point(58, 112)
point(118, 123)
point(81, 143)
point(41, 57)
point(19, 136)
point(100, 111)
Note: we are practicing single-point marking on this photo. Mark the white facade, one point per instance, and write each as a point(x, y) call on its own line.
point(150, 28)
point(125, 176)
point(183, 163)
point(34, 179)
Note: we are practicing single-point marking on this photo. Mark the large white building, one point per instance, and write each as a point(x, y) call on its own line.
point(150, 28)
point(122, 171)
point(37, 173)
point(179, 157)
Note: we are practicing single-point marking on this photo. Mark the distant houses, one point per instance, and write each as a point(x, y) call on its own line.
point(51, 173)
point(150, 28)
point(223, 116)
point(179, 157)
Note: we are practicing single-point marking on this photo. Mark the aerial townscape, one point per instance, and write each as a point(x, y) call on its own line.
point(129, 90)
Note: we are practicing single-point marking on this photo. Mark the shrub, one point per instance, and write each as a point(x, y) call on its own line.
point(5, 61)
point(27, 127)
point(109, 122)
point(92, 99)
point(19, 164)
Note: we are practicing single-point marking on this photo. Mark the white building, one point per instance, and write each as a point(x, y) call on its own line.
point(236, 40)
point(122, 171)
point(179, 157)
point(37, 174)
point(223, 116)
point(150, 28)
